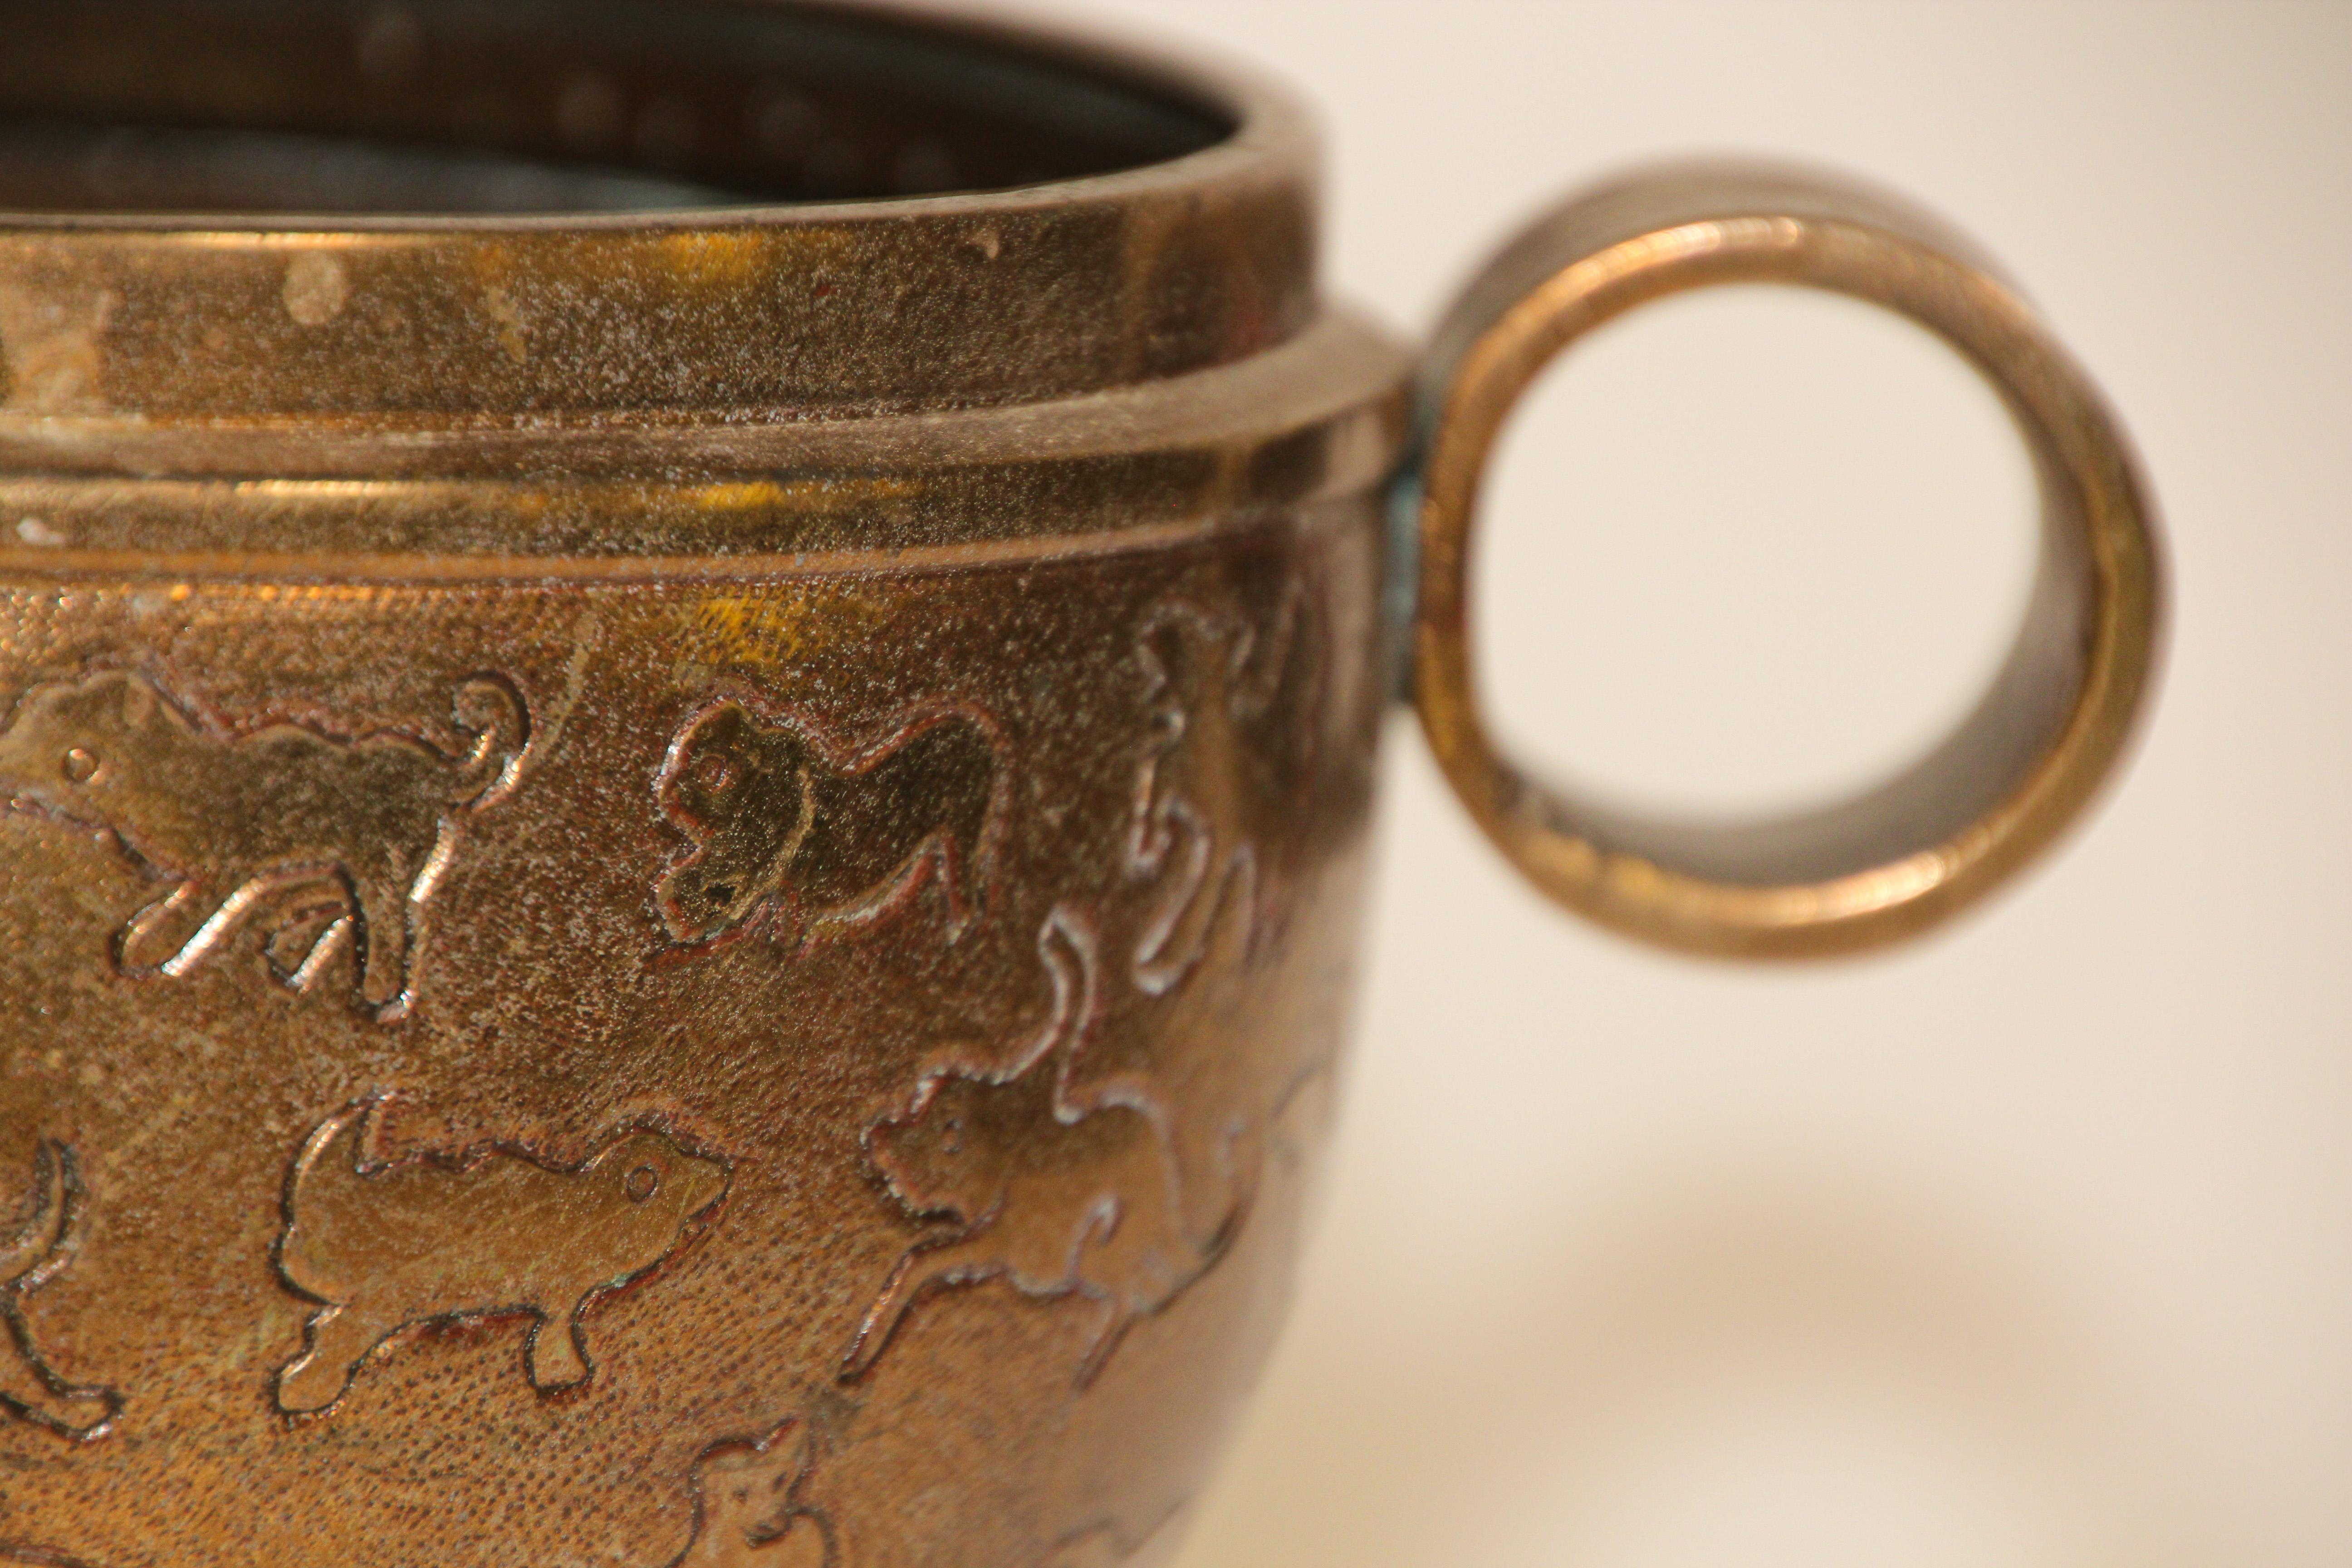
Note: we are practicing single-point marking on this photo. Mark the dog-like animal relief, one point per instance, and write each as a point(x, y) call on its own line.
point(498, 1232)
point(820, 837)
point(1060, 1199)
point(241, 823)
point(34, 1255)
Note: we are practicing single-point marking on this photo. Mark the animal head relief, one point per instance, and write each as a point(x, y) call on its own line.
point(334, 842)
point(36, 1245)
point(495, 1233)
point(819, 838)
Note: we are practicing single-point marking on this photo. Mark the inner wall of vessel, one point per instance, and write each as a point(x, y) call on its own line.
point(445, 106)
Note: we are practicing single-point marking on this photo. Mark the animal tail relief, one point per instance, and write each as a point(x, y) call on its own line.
point(47, 1222)
point(489, 709)
point(328, 1167)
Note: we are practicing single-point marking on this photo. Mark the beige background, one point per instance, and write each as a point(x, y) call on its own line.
point(2030, 1245)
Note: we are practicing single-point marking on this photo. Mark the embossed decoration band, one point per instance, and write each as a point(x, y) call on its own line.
point(687, 702)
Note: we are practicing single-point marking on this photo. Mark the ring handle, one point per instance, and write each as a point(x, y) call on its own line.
point(1913, 851)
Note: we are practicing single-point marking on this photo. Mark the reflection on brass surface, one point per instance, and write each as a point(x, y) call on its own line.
point(678, 884)
point(493, 1234)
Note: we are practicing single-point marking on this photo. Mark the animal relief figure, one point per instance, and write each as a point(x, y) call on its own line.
point(1060, 1198)
point(750, 1509)
point(391, 1248)
point(1116, 1156)
point(243, 822)
point(814, 838)
point(30, 1256)
point(1234, 729)
point(1234, 706)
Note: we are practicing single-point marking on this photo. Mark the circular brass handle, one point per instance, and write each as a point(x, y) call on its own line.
point(2009, 779)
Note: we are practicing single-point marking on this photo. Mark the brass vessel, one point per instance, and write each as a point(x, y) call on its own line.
point(688, 695)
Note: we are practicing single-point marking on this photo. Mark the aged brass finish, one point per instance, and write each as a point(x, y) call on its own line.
point(2015, 772)
point(688, 698)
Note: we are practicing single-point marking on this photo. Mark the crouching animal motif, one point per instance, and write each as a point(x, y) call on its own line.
point(752, 1508)
point(781, 821)
point(491, 1234)
point(243, 822)
point(1060, 1197)
point(35, 1255)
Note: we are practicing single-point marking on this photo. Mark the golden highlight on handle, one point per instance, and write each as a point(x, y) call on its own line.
point(1916, 849)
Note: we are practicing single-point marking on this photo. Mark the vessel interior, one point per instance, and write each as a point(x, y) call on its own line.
point(541, 107)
